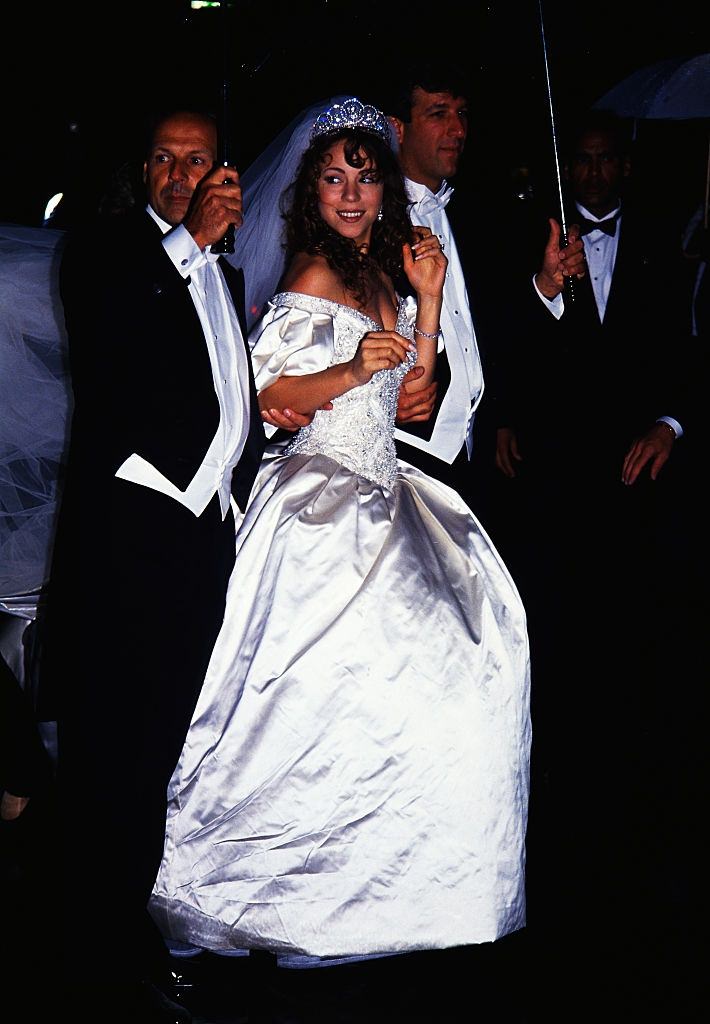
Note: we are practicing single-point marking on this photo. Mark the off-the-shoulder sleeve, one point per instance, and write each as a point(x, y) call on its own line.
point(292, 341)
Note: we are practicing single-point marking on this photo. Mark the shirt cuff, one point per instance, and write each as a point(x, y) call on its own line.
point(183, 251)
point(556, 305)
point(671, 423)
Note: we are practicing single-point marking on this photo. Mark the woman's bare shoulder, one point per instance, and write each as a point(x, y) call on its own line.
point(311, 275)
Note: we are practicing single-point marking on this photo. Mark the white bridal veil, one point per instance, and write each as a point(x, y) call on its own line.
point(35, 404)
point(258, 243)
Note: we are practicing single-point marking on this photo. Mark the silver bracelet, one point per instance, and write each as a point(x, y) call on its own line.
point(423, 334)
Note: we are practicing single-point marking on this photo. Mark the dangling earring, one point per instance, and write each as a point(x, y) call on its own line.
point(379, 215)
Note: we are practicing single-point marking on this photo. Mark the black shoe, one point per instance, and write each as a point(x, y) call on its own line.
point(154, 1006)
point(143, 1003)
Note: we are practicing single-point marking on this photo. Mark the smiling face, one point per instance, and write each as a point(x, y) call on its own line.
point(349, 198)
point(183, 150)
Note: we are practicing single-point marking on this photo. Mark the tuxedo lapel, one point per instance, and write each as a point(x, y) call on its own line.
point(458, 216)
point(584, 303)
point(235, 282)
point(623, 280)
point(245, 470)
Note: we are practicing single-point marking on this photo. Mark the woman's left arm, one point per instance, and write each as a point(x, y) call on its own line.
point(425, 266)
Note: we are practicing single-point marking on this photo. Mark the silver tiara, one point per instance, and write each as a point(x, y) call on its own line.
point(351, 113)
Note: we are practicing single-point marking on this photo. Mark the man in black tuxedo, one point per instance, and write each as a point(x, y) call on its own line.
point(591, 389)
point(166, 440)
point(427, 102)
point(634, 277)
point(592, 516)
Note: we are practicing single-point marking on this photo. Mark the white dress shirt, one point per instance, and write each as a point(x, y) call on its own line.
point(454, 423)
point(600, 254)
point(230, 373)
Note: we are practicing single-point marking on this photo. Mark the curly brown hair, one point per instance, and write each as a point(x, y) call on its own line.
point(306, 231)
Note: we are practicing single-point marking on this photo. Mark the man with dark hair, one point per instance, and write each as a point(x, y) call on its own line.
point(593, 514)
point(597, 166)
point(428, 108)
point(596, 375)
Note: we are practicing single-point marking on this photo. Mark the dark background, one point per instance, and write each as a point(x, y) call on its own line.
point(77, 82)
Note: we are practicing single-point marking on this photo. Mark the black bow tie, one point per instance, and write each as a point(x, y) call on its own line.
point(608, 226)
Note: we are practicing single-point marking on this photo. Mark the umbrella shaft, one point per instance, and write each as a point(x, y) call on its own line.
point(552, 126)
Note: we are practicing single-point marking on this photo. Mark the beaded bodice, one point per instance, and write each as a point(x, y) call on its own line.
point(358, 431)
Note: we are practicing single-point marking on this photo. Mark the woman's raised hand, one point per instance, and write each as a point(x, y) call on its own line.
point(425, 263)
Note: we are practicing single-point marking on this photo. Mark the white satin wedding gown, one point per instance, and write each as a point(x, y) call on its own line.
point(355, 778)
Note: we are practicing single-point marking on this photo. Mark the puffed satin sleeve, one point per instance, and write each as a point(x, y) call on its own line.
point(292, 341)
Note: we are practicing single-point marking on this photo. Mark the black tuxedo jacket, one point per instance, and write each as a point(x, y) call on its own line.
point(138, 583)
point(472, 231)
point(140, 369)
point(132, 568)
point(580, 385)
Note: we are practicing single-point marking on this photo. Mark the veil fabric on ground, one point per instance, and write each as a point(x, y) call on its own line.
point(355, 778)
point(35, 405)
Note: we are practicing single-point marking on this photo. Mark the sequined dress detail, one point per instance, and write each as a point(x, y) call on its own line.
point(358, 431)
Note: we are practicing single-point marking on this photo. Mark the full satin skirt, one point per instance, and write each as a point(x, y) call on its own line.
point(355, 778)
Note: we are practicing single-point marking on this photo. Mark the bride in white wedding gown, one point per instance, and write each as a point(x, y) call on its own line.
point(355, 777)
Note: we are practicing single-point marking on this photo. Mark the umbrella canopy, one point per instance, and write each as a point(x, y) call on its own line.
point(677, 89)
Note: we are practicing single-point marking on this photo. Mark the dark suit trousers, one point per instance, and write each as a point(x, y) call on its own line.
point(146, 592)
point(25, 766)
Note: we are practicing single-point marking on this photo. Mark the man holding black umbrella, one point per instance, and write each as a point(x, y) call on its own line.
point(593, 404)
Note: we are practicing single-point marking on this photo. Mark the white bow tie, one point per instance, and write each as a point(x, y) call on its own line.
point(435, 202)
